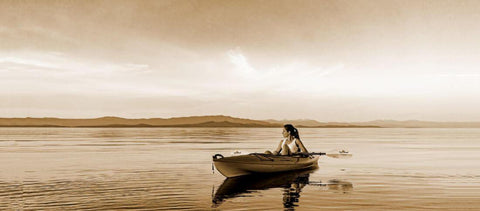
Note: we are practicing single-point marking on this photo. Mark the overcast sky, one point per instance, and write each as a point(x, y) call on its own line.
point(322, 60)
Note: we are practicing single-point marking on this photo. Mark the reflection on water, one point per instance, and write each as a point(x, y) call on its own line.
point(291, 183)
point(291, 193)
point(170, 169)
point(144, 190)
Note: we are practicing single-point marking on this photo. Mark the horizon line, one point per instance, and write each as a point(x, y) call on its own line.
point(221, 115)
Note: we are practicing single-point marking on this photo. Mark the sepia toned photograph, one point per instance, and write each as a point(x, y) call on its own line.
point(239, 105)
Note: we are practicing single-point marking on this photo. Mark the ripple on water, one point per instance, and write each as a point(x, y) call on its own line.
point(170, 169)
point(140, 190)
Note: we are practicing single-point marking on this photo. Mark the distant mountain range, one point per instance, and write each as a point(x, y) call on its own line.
point(222, 121)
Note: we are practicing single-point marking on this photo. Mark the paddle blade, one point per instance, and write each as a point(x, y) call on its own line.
point(341, 154)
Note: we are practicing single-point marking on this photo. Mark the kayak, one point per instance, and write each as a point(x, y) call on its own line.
point(259, 163)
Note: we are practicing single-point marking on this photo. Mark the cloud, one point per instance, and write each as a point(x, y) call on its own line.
point(286, 76)
point(26, 62)
point(240, 61)
point(54, 72)
point(56, 63)
point(472, 76)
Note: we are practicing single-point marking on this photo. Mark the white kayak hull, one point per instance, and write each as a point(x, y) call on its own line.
point(256, 163)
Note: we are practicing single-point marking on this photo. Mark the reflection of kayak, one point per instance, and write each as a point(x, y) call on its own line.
point(291, 183)
point(235, 187)
point(262, 163)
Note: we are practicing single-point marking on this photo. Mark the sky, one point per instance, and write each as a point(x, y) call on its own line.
point(322, 60)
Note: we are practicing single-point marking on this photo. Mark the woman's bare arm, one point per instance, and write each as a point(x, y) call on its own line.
point(279, 148)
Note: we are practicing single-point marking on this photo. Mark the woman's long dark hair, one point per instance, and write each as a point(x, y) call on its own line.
point(292, 130)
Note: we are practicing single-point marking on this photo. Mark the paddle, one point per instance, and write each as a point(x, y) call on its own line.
point(342, 154)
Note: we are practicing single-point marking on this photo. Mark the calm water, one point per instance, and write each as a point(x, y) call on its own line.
point(170, 168)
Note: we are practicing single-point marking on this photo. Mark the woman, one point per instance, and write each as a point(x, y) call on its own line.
point(291, 144)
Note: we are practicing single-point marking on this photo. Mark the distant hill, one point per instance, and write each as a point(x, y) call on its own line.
point(222, 121)
point(315, 124)
point(380, 123)
point(194, 121)
point(419, 124)
point(303, 122)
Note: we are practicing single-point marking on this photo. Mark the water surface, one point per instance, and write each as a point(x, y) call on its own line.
point(170, 168)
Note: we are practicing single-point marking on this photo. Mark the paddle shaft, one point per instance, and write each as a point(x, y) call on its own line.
point(317, 153)
point(332, 155)
point(311, 153)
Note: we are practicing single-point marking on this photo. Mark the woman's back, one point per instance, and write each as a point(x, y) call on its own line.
point(292, 145)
